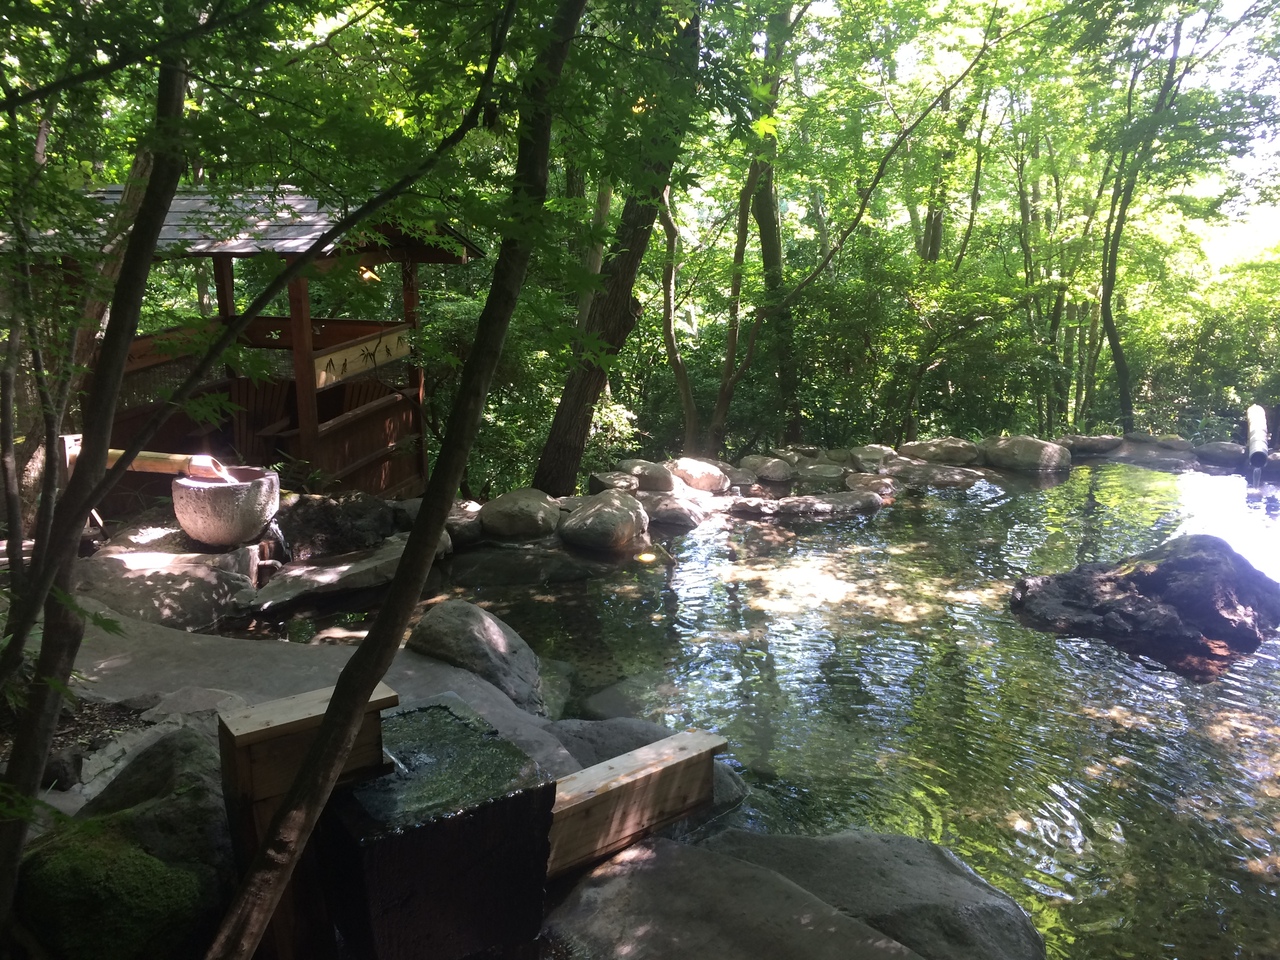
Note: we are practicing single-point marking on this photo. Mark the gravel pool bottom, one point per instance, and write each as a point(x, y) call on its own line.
point(868, 673)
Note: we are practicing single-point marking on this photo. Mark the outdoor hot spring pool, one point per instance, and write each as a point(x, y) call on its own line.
point(869, 673)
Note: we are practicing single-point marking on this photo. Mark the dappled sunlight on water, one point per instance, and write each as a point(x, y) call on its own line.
point(867, 672)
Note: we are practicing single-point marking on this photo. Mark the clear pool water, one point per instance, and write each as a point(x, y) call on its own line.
point(868, 673)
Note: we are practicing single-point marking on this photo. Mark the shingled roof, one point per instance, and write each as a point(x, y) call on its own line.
point(283, 223)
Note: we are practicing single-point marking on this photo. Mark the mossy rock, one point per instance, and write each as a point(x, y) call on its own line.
point(88, 893)
point(145, 869)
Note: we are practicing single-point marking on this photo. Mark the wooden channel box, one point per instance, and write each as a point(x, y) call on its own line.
point(262, 748)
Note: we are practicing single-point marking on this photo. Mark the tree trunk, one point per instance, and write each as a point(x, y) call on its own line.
point(764, 208)
point(731, 371)
point(593, 256)
point(614, 311)
point(55, 557)
point(688, 406)
point(273, 865)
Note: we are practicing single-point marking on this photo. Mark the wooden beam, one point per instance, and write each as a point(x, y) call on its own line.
point(304, 370)
point(224, 285)
point(359, 356)
point(605, 808)
point(290, 714)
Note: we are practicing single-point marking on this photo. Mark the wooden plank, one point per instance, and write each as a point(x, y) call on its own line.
point(605, 808)
point(300, 712)
point(359, 413)
point(162, 347)
point(360, 356)
point(274, 763)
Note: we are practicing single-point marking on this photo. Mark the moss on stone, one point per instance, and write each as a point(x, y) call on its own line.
point(88, 893)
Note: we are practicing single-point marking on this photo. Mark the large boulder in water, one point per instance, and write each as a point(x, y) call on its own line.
point(1193, 604)
point(649, 476)
point(700, 474)
point(659, 900)
point(608, 521)
point(524, 513)
point(768, 468)
point(953, 450)
point(1024, 454)
point(467, 636)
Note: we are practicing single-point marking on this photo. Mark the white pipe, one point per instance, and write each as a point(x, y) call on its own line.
point(1257, 445)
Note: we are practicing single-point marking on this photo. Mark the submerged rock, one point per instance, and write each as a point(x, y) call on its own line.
point(920, 474)
point(832, 505)
point(1193, 604)
point(914, 891)
point(660, 900)
point(543, 561)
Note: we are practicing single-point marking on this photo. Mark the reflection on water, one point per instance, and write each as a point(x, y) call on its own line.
point(868, 672)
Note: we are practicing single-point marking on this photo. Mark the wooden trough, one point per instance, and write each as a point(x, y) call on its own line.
point(597, 812)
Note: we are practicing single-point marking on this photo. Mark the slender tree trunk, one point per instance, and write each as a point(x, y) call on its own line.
point(593, 256)
point(1126, 182)
point(614, 311)
point(291, 828)
point(63, 628)
point(764, 208)
point(688, 406)
point(1056, 400)
point(731, 370)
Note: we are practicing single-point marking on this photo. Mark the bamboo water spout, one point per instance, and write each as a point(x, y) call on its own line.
point(1257, 446)
point(192, 465)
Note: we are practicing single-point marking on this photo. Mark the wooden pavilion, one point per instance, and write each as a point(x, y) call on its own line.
point(344, 406)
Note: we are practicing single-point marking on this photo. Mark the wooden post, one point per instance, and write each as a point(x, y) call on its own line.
point(224, 286)
point(304, 371)
point(262, 748)
point(417, 382)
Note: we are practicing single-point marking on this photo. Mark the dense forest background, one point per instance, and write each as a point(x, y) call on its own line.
point(869, 222)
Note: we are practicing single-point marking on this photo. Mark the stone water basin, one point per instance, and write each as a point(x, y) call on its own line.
point(224, 512)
